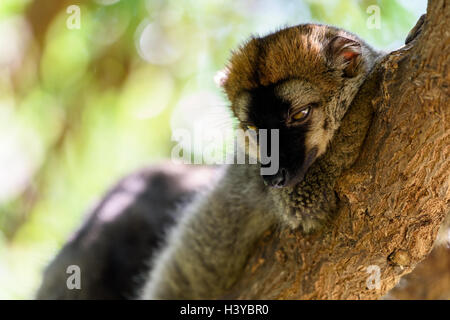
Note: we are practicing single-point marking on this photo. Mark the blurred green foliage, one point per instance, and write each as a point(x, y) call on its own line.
point(80, 108)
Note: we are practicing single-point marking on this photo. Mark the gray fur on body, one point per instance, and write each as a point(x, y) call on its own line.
point(209, 246)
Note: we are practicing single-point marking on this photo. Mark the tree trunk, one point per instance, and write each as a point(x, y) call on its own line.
point(394, 198)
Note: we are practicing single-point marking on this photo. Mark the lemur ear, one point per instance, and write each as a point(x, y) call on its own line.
point(345, 54)
point(221, 77)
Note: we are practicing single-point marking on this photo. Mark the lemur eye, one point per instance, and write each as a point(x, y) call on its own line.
point(251, 127)
point(302, 114)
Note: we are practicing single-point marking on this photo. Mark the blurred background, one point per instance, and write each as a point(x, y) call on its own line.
point(85, 101)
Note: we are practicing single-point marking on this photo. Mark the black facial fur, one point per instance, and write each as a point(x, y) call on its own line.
point(267, 110)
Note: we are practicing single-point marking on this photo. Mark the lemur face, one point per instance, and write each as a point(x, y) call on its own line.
point(296, 110)
point(300, 81)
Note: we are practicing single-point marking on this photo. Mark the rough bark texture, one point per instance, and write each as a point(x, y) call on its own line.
point(430, 280)
point(392, 201)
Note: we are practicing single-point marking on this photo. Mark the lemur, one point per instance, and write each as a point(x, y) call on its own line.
point(300, 80)
point(315, 65)
point(122, 232)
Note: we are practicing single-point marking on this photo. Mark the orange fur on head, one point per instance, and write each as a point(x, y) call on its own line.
point(295, 52)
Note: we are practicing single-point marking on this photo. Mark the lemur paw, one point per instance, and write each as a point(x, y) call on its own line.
point(305, 209)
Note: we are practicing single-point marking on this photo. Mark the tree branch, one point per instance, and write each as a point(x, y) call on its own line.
point(393, 199)
point(430, 280)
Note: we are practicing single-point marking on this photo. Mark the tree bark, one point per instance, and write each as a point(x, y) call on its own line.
point(430, 280)
point(393, 199)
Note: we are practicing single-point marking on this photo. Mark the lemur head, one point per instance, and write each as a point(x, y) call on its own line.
point(301, 81)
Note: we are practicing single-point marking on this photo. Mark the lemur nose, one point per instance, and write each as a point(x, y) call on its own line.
point(279, 179)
